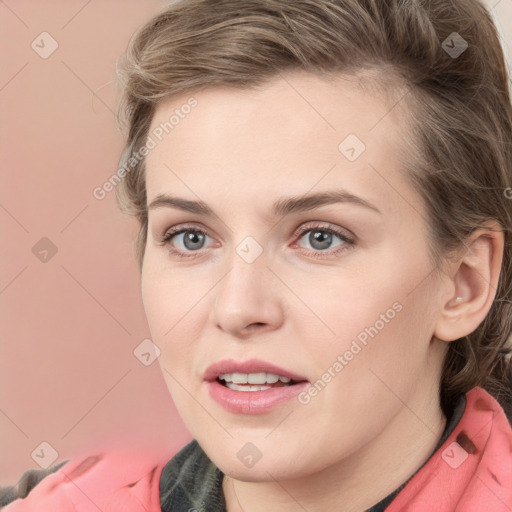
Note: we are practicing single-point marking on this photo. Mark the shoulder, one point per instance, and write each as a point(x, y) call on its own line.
point(107, 480)
point(472, 469)
point(28, 480)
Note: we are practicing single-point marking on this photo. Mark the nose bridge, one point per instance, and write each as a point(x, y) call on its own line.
point(245, 296)
point(244, 282)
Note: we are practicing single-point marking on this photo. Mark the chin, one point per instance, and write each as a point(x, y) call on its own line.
point(270, 464)
point(261, 472)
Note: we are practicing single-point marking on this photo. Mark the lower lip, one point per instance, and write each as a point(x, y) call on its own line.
point(253, 402)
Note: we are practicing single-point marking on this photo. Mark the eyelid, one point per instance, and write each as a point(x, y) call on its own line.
point(170, 233)
point(324, 226)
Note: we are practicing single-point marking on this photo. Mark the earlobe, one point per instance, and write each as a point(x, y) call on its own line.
point(474, 281)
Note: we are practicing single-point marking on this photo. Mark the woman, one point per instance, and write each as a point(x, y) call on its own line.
point(323, 194)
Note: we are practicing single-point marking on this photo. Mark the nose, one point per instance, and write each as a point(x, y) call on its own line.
point(247, 299)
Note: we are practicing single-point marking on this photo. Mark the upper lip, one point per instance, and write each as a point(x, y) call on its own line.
point(250, 366)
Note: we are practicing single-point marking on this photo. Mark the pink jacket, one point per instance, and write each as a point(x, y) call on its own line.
point(471, 472)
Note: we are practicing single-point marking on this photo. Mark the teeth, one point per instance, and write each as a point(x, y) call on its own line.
point(256, 378)
point(252, 378)
point(239, 378)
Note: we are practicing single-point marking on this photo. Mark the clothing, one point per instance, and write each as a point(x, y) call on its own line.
point(471, 471)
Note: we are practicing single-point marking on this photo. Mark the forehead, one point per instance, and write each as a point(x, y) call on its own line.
point(294, 133)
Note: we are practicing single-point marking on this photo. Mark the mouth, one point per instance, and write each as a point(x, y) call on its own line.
point(254, 381)
point(252, 387)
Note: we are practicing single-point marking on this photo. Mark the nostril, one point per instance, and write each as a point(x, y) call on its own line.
point(256, 324)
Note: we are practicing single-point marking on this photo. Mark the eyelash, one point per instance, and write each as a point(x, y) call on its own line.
point(167, 237)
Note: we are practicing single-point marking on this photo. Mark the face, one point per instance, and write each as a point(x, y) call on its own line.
point(244, 279)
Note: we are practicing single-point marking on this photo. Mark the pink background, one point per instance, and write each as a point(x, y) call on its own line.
point(68, 375)
point(69, 326)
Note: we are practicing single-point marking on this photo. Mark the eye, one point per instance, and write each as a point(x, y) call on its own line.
point(184, 241)
point(186, 238)
point(321, 238)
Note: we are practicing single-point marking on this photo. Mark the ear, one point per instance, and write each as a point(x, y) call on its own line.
point(473, 283)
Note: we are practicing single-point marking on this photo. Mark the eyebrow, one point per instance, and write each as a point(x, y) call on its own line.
point(283, 206)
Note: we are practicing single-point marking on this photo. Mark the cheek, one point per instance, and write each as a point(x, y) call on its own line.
point(378, 374)
point(349, 304)
point(170, 298)
point(172, 305)
point(372, 319)
point(172, 314)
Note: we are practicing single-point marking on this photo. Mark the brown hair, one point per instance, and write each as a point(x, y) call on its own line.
point(459, 102)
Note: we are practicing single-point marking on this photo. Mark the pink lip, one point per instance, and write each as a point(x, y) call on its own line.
point(251, 402)
point(250, 366)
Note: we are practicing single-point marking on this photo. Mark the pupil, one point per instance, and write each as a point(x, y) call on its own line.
point(192, 239)
point(320, 239)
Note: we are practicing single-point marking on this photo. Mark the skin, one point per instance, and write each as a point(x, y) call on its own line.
point(379, 419)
